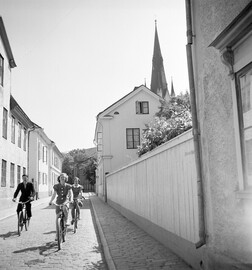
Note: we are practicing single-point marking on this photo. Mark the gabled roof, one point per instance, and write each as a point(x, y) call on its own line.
point(6, 44)
point(18, 112)
point(127, 97)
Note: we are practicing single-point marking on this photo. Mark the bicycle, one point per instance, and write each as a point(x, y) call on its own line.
point(23, 220)
point(61, 227)
point(76, 213)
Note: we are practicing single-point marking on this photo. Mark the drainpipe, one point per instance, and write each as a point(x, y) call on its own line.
point(195, 128)
point(32, 128)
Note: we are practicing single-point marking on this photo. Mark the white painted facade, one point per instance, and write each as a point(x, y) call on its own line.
point(13, 143)
point(110, 133)
point(45, 162)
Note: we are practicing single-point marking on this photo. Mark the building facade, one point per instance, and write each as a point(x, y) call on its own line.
point(14, 126)
point(45, 162)
point(118, 131)
point(220, 38)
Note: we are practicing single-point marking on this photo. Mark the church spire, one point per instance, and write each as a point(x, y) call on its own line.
point(172, 89)
point(158, 79)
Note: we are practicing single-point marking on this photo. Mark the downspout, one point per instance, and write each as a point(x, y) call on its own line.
point(28, 147)
point(195, 128)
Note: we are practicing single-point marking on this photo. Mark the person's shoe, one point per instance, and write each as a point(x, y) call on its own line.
point(72, 222)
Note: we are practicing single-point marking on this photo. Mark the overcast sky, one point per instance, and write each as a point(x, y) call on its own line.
point(76, 57)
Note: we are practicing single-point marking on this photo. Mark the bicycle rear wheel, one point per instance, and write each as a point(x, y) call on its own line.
point(20, 222)
point(75, 220)
point(59, 232)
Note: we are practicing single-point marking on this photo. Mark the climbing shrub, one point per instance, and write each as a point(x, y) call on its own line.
point(174, 117)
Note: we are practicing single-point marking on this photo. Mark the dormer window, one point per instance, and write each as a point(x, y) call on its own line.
point(142, 107)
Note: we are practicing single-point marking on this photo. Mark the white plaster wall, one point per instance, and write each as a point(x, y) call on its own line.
point(115, 129)
point(227, 231)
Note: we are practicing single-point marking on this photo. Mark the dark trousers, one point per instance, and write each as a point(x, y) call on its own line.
point(28, 209)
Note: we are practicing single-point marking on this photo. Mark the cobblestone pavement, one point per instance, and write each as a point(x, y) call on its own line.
point(37, 249)
point(127, 247)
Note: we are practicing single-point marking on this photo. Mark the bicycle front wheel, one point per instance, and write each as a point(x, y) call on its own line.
point(20, 222)
point(26, 221)
point(75, 220)
point(59, 232)
point(63, 230)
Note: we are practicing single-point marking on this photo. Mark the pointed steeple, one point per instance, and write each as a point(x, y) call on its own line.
point(158, 79)
point(172, 89)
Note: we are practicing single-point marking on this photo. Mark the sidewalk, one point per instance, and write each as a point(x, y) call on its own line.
point(127, 247)
point(11, 211)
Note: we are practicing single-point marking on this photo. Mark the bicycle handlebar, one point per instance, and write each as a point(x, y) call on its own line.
point(23, 202)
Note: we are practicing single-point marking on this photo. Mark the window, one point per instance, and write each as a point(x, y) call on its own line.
point(25, 139)
point(234, 44)
point(1, 69)
point(132, 138)
point(5, 123)
point(24, 170)
point(142, 107)
point(45, 154)
point(12, 175)
point(19, 134)
point(39, 178)
point(18, 174)
point(99, 142)
point(56, 162)
point(39, 150)
point(13, 129)
point(3, 177)
point(244, 100)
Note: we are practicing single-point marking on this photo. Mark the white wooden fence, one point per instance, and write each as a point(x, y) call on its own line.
point(161, 187)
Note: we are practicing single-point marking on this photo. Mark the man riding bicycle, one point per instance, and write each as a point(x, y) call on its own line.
point(77, 194)
point(27, 194)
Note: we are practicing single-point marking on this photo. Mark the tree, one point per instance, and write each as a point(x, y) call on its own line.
point(174, 117)
point(77, 162)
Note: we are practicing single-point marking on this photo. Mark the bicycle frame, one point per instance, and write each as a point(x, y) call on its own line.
point(23, 218)
point(61, 228)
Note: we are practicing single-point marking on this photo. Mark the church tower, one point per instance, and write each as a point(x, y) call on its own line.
point(158, 79)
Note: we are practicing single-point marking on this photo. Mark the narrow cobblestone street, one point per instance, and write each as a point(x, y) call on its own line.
point(37, 249)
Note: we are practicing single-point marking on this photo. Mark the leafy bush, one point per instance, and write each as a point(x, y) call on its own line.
point(174, 117)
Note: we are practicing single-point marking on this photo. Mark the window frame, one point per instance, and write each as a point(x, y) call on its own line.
point(5, 124)
point(13, 129)
point(18, 174)
point(12, 175)
point(140, 108)
point(134, 142)
point(239, 104)
point(19, 135)
point(3, 173)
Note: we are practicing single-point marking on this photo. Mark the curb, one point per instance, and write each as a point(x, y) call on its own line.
point(109, 260)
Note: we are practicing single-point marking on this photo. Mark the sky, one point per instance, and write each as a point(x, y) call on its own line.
point(77, 57)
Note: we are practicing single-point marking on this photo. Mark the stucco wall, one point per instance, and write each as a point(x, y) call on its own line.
point(227, 230)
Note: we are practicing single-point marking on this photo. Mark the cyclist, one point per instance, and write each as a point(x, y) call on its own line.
point(64, 194)
point(27, 194)
point(77, 194)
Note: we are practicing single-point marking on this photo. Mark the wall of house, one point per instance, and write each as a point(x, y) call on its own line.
point(8, 151)
point(159, 193)
point(115, 129)
point(229, 233)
